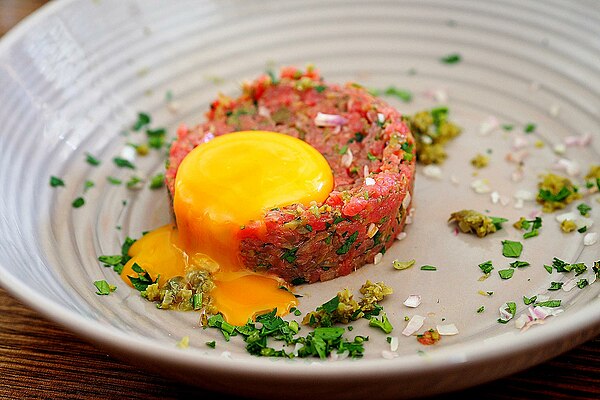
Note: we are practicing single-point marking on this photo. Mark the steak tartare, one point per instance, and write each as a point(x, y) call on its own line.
point(369, 149)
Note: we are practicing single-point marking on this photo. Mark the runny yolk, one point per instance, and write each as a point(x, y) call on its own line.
point(222, 186)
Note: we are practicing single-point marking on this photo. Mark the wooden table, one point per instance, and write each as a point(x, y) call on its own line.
point(39, 359)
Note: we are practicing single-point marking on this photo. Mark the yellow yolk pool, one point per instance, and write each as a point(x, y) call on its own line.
point(221, 186)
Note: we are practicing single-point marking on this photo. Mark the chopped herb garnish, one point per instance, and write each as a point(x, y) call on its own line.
point(480, 309)
point(511, 248)
point(212, 344)
point(506, 273)
point(583, 229)
point(529, 300)
point(529, 128)
point(549, 303)
point(555, 285)
point(289, 255)
point(548, 268)
point(55, 181)
point(157, 181)
point(486, 267)
point(143, 120)
point(453, 58)
point(428, 268)
point(78, 202)
point(87, 185)
point(519, 264)
point(104, 288)
point(347, 244)
point(582, 283)
point(400, 94)
point(143, 279)
point(134, 182)
point(371, 157)
point(91, 159)
point(113, 181)
point(123, 163)
point(217, 321)
point(584, 209)
point(508, 127)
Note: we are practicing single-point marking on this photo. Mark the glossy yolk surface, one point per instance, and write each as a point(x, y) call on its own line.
point(220, 187)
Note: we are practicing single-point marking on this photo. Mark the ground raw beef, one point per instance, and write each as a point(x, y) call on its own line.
point(370, 150)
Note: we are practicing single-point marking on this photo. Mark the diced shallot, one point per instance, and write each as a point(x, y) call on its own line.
point(447, 330)
point(414, 324)
point(329, 120)
point(412, 301)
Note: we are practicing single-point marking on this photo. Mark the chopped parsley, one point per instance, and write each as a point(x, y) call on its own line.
point(529, 128)
point(428, 268)
point(344, 248)
point(123, 163)
point(584, 209)
point(157, 181)
point(555, 285)
point(529, 300)
point(56, 182)
point(289, 255)
point(549, 303)
point(511, 248)
point(506, 273)
point(453, 58)
point(142, 120)
point(519, 264)
point(480, 309)
point(113, 181)
point(78, 202)
point(392, 91)
point(104, 288)
point(143, 279)
point(212, 344)
point(486, 267)
point(90, 159)
point(531, 226)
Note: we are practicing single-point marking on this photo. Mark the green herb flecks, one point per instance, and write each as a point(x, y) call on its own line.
point(142, 120)
point(90, 159)
point(123, 163)
point(143, 278)
point(584, 209)
point(486, 267)
point(519, 264)
point(555, 285)
point(104, 288)
point(453, 58)
point(511, 248)
point(78, 202)
point(511, 309)
point(531, 226)
point(157, 181)
point(428, 268)
point(344, 248)
point(56, 181)
point(506, 273)
point(529, 128)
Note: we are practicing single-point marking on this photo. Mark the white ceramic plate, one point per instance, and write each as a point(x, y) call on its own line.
point(75, 74)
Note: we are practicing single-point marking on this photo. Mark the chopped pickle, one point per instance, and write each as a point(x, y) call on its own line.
point(180, 293)
point(470, 221)
point(480, 161)
point(568, 226)
point(432, 131)
point(555, 192)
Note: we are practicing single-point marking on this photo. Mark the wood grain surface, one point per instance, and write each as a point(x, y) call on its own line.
point(39, 359)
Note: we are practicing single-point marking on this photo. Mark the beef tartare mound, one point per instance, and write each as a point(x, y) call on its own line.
point(369, 149)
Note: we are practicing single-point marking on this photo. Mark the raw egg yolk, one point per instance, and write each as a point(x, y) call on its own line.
point(222, 186)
